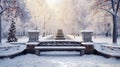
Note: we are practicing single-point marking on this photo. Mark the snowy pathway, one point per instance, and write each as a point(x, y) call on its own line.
point(96, 39)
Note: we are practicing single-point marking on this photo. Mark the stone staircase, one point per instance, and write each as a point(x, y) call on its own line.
point(60, 35)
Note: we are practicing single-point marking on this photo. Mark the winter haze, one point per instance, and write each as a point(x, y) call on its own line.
point(69, 15)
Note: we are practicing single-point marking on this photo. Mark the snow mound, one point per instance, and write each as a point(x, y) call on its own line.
point(8, 50)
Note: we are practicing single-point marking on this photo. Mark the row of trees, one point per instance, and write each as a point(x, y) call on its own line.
point(112, 7)
point(85, 16)
point(99, 11)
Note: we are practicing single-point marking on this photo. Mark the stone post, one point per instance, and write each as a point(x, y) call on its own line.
point(86, 36)
point(33, 35)
point(87, 41)
point(33, 40)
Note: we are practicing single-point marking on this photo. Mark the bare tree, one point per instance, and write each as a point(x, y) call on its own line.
point(1, 12)
point(112, 7)
point(12, 9)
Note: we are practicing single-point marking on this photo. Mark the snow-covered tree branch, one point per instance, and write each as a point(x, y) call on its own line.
point(115, 7)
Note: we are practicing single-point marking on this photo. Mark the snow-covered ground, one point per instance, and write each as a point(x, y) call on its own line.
point(30, 60)
point(61, 59)
point(25, 39)
point(112, 50)
point(103, 44)
point(8, 50)
point(96, 39)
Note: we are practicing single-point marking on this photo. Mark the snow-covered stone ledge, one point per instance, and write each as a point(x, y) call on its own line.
point(17, 43)
point(108, 49)
point(9, 50)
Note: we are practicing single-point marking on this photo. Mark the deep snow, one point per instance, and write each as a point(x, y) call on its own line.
point(96, 39)
point(30, 60)
point(8, 50)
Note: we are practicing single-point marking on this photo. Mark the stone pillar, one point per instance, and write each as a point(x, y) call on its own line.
point(33, 40)
point(86, 36)
point(33, 35)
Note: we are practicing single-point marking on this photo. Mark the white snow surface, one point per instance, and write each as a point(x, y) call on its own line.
point(60, 47)
point(8, 50)
point(108, 49)
point(77, 38)
point(44, 38)
point(33, 31)
point(33, 43)
point(87, 43)
point(59, 59)
point(96, 39)
point(23, 40)
point(87, 31)
point(30, 60)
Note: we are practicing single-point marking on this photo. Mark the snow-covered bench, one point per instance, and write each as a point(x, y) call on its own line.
point(81, 49)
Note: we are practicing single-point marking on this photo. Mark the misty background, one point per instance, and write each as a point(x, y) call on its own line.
point(70, 15)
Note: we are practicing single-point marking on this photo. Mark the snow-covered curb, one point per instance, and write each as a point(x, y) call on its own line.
point(108, 49)
point(9, 50)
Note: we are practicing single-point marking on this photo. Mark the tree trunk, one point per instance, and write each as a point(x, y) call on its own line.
point(114, 28)
point(0, 29)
